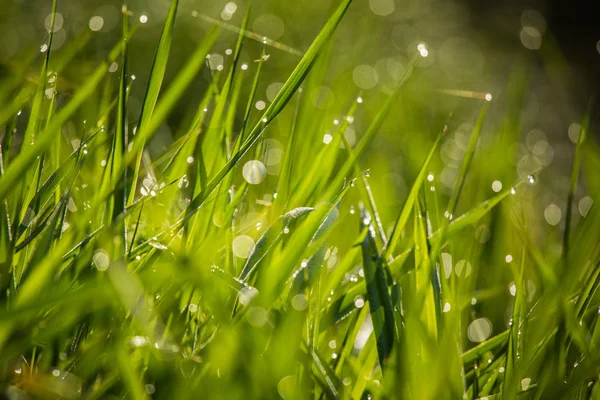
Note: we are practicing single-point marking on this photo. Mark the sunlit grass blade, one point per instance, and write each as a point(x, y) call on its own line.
point(43, 140)
point(157, 73)
point(282, 98)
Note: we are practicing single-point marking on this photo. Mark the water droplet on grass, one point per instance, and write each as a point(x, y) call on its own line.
point(479, 330)
point(585, 204)
point(247, 294)
point(242, 246)
point(254, 172)
point(299, 302)
point(101, 260)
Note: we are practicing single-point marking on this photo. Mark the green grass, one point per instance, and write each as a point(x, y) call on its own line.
point(197, 271)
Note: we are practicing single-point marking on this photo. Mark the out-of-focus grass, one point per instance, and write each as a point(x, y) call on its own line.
point(265, 252)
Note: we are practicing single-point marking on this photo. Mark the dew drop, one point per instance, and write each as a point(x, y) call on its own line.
point(496, 186)
point(246, 295)
point(242, 246)
point(359, 302)
point(299, 302)
point(479, 330)
point(101, 260)
point(531, 179)
point(254, 172)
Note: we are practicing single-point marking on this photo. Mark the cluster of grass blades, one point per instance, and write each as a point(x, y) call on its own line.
point(198, 273)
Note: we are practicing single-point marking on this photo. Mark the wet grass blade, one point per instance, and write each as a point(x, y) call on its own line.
point(22, 162)
point(282, 98)
point(157, 74)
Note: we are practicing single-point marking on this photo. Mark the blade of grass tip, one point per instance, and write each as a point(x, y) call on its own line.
point(27, 156)
point(574, 178)
point(174, 92)
point(180, 82)
point(380, 303)
point(402, 218)
point(251, 96)
point(216, 137)
point(321, 165)
point(451, 209)
point(116, 173)
point(36, 109)
point(464, 168)
point(287, 260)
point(157, 74)
point(280, 101)
point(221, 129)
point(369, 134)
